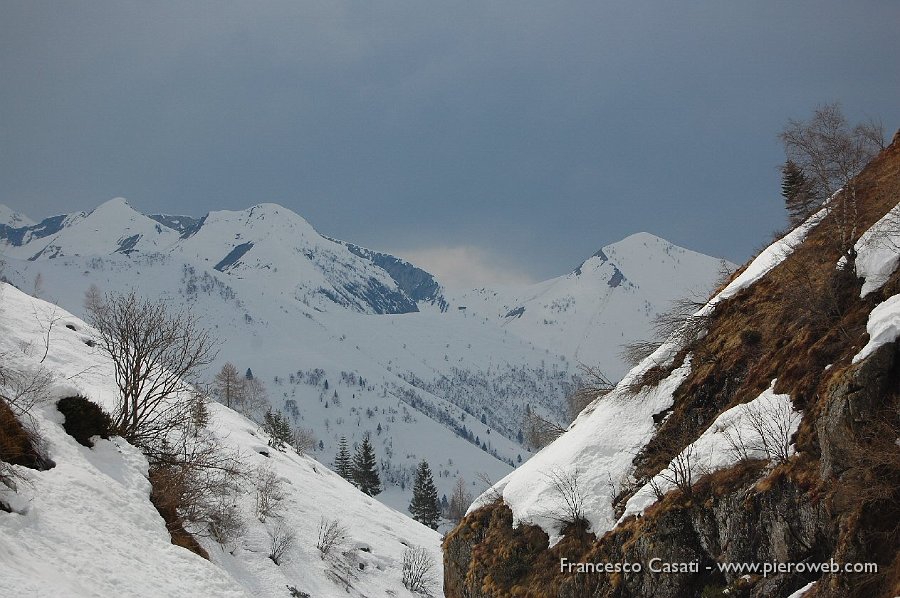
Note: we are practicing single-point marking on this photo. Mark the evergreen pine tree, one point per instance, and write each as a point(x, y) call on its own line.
point(800, 197)
point(365, 468)
point(279, 430)
point(342, 462)
point(425, 507)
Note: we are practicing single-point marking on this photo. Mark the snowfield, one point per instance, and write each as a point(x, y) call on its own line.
point(86, 527)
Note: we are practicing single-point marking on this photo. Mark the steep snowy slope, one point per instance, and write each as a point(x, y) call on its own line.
point(13, 219)
point(609, 300)
point(86, 527)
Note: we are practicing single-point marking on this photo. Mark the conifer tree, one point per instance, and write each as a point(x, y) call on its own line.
point(279, 430)
point(342, 462)
point(365, 468)
point(425, 507)
point(800, 197)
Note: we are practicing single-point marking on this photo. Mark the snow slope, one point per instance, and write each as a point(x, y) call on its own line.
point(13, 219)
point(304, 312)
point(608, 301)
point(87, 528)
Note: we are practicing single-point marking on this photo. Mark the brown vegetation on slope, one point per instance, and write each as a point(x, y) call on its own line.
point(839, 497)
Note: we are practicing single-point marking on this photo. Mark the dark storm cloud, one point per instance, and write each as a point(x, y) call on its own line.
point(533, 131)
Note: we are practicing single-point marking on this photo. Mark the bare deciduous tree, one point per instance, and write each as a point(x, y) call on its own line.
point(269, 493)
point(459, 501)
point(304, 440)
point(831, 153)
point(154, 350)
point(255, 398)
point(228, 386)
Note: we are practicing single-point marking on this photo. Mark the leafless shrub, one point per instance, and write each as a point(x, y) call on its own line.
point(281, 539)
point(770, 433)
point(198, 480)
point(331, 535)
point(570, 497)
point(225, 522)
point(490, 489)
point(25, 388)
point(681, 471)
point(269, 493)
point(682, 323)
point(821, 304)
point(417, 569)
point(304, 440)
point(539, 431)
point(154, 350)
point(594, 383)
point(635, 352)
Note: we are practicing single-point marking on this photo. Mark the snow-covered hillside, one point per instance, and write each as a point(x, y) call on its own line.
point(341, 345)
point(86, 527)
point(608, 301)
point(350, 340)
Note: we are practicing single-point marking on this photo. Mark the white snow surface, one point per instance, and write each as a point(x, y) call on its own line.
point(608, 301)
point(883, 327)
point(86, 527)
point(878, 251)
point(597, 451)
point(766, 420)
point(802, 591)
point(14, 219)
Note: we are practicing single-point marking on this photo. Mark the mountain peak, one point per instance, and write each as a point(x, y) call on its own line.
point(14, 219)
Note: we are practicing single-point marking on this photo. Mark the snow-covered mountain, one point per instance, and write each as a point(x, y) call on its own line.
point(349, 340)
point(607, 301)
point(13, 219)
point(87, 527)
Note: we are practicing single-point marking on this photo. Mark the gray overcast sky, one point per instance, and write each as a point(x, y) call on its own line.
point(519, 135)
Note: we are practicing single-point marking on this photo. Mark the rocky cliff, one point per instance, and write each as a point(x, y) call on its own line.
point(821, 321)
